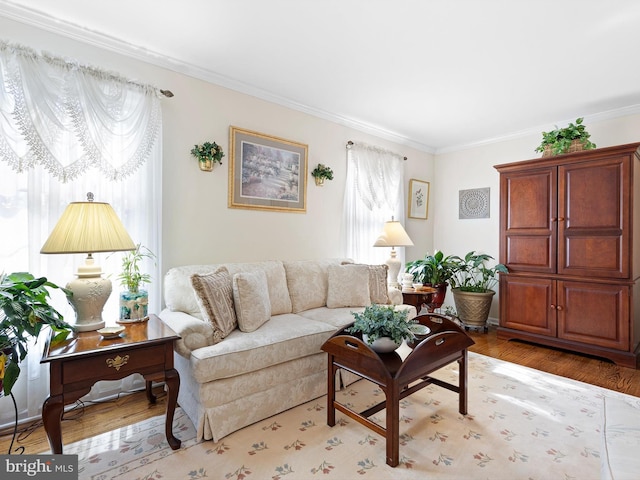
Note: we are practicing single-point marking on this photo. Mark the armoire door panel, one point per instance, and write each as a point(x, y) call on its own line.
point(529, 304)
point(528, 223)
point(529, 197)
point(597, 256)
point(597, 314)
point(530, 253)
point(592, 194)
point(593, 232)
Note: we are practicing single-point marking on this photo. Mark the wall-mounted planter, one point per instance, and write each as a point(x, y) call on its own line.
point(322, 173)
point(206, 165)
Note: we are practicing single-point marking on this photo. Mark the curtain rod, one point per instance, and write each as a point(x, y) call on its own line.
point(350, 144)
point(71, 64)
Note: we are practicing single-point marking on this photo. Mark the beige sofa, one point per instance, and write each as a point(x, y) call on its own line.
point(251, 334)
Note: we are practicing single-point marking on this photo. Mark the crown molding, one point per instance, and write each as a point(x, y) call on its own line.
point(67, 29)
point(593, 118)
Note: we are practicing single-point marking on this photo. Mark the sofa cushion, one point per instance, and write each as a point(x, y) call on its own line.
point(378, 288)
point(276, 282)
point(308, 283)
point(251, 298)
point(275, 342)
point(348, 286)
point(214, 294)
point(178, 291)
point(341, 317)
point(336, 317)
point(180, 297)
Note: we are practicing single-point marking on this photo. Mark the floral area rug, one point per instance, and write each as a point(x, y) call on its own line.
point(522, 424)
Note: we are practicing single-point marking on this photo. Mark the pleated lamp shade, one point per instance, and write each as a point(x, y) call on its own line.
point(88, 227)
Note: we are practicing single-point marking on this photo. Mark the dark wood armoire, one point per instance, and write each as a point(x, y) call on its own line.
point(570, 237)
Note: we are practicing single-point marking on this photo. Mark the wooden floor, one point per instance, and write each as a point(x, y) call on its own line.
point(96, 418)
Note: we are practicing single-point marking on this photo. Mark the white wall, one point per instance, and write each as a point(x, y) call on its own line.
point(473, 168)
point(198, 227)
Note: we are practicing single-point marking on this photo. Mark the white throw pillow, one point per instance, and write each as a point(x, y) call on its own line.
point(348, 286)
point(214, 294)
point(378, 288)
point(251, 297)
point(307, 282)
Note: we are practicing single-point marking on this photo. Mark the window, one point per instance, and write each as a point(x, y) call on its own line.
point(49, 157)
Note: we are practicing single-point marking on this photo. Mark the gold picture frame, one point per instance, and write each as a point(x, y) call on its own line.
point(267, 172)
point(418, 199)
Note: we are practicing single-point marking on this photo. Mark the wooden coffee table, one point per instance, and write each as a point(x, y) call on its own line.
point(397, 376)
point(85, 358)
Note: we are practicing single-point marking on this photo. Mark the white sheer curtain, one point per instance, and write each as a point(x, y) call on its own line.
point(49, 157)
point(373, 194)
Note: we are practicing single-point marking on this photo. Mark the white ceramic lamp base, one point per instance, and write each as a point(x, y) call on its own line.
point(394, 265)
point(90, 293)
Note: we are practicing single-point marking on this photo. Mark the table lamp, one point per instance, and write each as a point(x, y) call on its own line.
point(88, 227)
point(393, 235)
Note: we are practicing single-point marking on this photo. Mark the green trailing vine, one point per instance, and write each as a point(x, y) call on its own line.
point(559, 140)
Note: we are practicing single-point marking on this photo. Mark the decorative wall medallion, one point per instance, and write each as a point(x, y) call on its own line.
point(474, 203)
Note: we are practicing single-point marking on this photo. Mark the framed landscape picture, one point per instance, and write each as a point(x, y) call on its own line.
point(418, 199)
point(267, 172)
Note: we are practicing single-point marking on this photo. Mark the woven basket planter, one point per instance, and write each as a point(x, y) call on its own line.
point(473, 308)
point(576, 146)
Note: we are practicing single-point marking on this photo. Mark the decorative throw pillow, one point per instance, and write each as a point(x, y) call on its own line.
point(378, 289)
point(251, 297)
point(214, 294)
point(348, 286)
point(276, 282)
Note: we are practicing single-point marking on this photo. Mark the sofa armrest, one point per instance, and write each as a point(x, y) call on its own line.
point(194, 333)
point(395, 296)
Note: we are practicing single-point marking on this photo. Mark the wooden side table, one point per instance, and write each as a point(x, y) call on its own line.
point(86, 357)
point(397, 377)
point(418, 298)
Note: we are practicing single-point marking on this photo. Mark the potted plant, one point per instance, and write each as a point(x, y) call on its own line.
point(24, 301)
point(134, 301)
point(320, 173)
point(383, 327)
point(207, 154)
point(434, 270)
point(473, 284)
point(564, 140)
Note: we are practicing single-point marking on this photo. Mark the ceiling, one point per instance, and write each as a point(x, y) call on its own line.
point(432, 74)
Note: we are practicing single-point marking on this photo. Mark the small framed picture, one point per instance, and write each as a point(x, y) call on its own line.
point(418, 199)
point(267, 172)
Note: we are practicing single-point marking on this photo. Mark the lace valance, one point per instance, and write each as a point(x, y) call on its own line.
point(69, 118)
